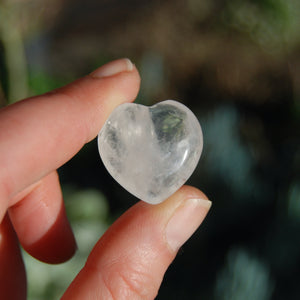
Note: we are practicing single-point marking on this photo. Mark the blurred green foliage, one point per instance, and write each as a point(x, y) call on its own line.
point(272, 23)
point(40, 82)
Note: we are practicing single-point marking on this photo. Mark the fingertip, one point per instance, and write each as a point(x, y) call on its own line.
point(186, 192)
point(102, 90)
point(113, 68)
point(189, 208)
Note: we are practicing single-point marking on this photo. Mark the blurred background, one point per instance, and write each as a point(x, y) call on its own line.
point(236, 65)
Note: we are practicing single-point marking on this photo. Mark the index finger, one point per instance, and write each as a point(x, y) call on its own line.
point(39, 134)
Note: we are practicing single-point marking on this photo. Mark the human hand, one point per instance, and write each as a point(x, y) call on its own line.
point(40, 134)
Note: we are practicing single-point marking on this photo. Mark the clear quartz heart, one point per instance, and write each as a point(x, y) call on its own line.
point(151, 151)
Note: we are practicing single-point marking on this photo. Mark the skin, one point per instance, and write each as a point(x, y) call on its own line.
point(37, 136)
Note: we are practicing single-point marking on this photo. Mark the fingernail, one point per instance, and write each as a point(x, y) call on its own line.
point(185, 221)
point(113, 68)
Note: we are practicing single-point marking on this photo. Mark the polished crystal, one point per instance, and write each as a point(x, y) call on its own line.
point(151, 151)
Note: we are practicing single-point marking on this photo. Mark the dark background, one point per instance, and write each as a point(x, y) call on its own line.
point(236, 65)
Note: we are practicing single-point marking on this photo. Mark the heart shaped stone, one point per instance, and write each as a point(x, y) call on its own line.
point(151, 151)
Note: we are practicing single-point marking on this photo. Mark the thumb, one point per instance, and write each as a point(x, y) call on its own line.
point(130, 260)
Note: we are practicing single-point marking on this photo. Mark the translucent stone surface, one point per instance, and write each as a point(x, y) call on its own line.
point(151, 151)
